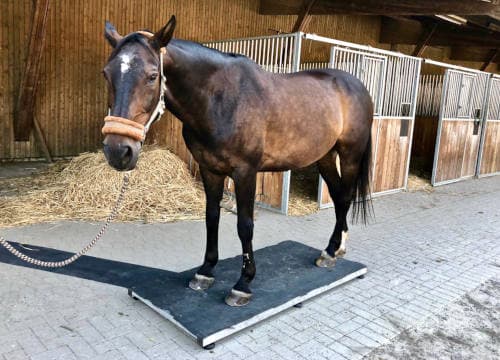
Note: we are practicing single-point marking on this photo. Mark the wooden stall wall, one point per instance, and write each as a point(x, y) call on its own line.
point(390, 147)
point(71, 101)
point(390, 158)
point(458, 150)
point(490, 161)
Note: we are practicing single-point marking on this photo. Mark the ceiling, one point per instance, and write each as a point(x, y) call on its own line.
point(471, 28)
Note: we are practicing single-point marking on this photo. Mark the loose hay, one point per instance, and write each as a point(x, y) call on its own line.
point(419, 183)
point(161, 189)
point(303, 193)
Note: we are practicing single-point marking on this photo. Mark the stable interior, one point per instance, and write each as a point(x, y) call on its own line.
point(304, 191)
point(426, 122)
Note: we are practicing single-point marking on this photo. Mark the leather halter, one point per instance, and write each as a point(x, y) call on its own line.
point(121, 126)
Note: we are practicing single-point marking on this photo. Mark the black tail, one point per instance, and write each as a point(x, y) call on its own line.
point(362, 202)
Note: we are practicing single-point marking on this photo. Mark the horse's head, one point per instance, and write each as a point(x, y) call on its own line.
point(134, 77)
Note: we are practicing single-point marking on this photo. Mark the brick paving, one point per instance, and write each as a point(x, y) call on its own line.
point(423, 251)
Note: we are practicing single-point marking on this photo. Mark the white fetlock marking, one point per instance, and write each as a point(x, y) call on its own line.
point(327, 256)
point(202, 277)
point(337, 165)
point(240, 293)
point(342, 248)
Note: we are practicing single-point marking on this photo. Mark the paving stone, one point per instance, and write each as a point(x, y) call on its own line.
point(420, 255)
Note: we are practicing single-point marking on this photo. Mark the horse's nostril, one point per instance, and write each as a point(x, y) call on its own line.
point(127, 153)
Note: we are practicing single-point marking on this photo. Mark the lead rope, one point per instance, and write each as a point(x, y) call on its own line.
point(58, 264)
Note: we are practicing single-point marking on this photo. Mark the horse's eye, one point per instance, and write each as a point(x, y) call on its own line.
point(153, 77)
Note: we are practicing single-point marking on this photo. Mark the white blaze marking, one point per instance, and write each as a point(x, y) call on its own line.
point(125, 65)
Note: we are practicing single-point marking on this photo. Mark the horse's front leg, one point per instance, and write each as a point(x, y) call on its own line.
point(214, 186)
point(244, 181)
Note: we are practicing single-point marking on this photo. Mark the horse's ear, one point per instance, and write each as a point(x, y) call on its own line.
point(111, 34)
point(163, 36)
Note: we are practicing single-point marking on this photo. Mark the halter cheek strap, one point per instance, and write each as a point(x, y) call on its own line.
point(125, 127)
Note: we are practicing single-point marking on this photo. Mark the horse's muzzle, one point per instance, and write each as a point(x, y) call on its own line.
point(121, 155)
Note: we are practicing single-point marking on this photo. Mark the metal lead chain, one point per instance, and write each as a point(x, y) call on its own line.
point(57, 264)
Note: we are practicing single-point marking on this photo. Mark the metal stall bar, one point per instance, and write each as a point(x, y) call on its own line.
point(491, 119)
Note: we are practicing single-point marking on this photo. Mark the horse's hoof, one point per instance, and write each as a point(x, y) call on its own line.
point(325, 260)
point(201, 282)
point(238, 298)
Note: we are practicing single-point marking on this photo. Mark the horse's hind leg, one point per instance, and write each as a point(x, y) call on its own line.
point(245, 183)
point(214, 186)
point(341, 184)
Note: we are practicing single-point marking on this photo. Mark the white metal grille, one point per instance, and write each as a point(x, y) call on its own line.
point(369, 68)
point(273, 53)
point(314, 65)
point(494, 102)
point(429, 95)
point(465, 94)
point(401, 86)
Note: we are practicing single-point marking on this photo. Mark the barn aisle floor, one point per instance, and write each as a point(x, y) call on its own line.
point(423, 251)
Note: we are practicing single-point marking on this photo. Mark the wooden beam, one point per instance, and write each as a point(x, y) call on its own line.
point(23, 115)
point(470, 53)
point(408, 31)
point(304, 17)
point(427, 36)
point(384, 7)
point(41, 140)
point(492, 57)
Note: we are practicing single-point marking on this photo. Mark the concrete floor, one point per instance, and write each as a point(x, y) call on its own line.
point(423, 251)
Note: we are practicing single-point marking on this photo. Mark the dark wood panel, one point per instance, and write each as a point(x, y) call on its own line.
point(424, 141)
point(490, 162)
point(385, 7)
point(407, 31)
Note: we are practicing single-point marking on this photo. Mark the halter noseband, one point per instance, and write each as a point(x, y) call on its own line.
point(122, 126)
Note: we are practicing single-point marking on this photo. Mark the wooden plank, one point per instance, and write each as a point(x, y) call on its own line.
point(304, 17)
point(472, 53)
point(426, 37)
point(392, 156)
point(383, 7)
point(470, 150)
point(490, 162)
point(493, 56)
point(452, 149)
point(23, 117)
point(408, 31)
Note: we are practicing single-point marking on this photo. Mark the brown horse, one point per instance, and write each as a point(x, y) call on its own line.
point(237, 120)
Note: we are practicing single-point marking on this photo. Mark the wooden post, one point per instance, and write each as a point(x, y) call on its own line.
point(492, 56)
point(23, 115)
point(41, 139)
point(427, 36)
point(304, 17)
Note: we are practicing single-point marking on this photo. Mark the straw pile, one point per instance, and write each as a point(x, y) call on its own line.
point(303, 193)
point(161, 189)
point(419, 183)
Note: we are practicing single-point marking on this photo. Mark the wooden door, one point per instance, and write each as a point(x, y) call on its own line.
point(489, 160)
point(459, 129)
